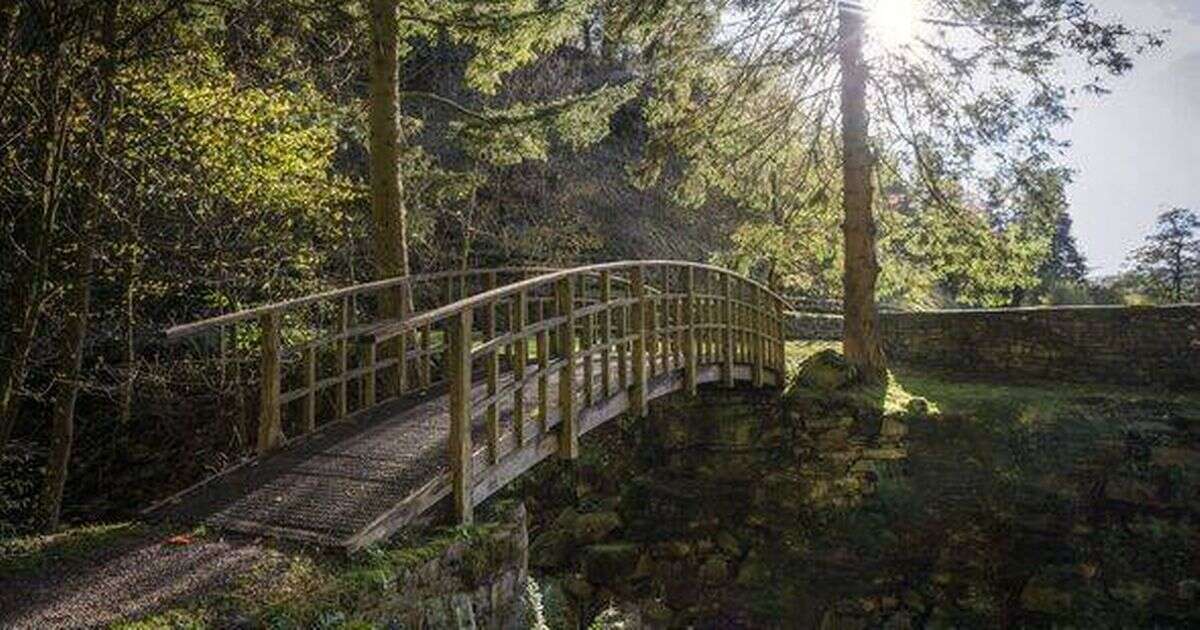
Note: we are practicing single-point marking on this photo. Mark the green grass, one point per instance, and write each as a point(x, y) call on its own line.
point(1027, 401)
point(25, 553)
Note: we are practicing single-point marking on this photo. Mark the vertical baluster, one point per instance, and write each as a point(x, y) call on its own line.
point(543, 360)
point(520, 355)
point(680, 332)
point(368, 378)
point(743, 322)
point(568, 432)
point(664, 337)
point(224, 333)
point(780, 345)
point(309, 422)
point(760, 345)
point(458, 331)
point(401, 343)
point(689, 340)
point(493, 372)
point(342, 402)
point(701, 317)
point(585, 343)
point(425, 367)
point(270, 431)
point(623, 345)
point(727, 321)
point(606, 334)
point(650, 331)
point(739, 317)
point(714, 318)
point(640, 324)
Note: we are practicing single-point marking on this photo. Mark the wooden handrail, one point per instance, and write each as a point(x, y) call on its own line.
point(442, 312)
point(192, 329)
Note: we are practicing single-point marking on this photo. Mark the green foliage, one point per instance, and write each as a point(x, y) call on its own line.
point(743, 105)
point(1168, 265)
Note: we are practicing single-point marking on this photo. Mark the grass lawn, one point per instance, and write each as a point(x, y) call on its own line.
point(1032, 503)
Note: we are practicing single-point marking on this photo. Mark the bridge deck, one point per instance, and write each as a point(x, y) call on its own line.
point(334, 485)
point(359, 480)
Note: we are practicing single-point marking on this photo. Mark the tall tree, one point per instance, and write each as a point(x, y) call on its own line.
point(969, 98)
point(862, 343)
point(35, 191)
point(67, 382)
point(1169, 262)
point(390, 233)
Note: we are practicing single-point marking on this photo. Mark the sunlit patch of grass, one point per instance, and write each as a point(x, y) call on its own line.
point(1029, 402)
point(177, 619)
point(29, 552)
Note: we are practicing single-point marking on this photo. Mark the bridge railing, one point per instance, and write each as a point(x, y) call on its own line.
point(524, 350)
point(308, 364)
point(594, 333)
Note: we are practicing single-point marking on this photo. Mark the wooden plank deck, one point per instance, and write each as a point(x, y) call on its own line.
point(357, 481)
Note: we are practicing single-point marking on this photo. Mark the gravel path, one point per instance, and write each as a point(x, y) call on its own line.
point(126, 580)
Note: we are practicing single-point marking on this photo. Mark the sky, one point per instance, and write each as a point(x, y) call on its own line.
point(1137, 150)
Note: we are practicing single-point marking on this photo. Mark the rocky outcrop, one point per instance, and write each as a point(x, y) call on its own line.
point(690, 516)
point(475, 580)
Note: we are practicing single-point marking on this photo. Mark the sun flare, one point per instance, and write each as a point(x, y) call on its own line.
point(895, 24)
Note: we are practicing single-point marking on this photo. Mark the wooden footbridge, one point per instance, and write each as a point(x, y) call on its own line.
point(381, 399)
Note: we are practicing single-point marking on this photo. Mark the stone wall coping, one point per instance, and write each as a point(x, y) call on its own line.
point(1018, 309)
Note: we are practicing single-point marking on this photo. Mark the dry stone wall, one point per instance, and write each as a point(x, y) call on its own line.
point(1109, 344)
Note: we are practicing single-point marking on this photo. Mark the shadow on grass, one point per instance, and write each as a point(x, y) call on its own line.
point(1032, 503)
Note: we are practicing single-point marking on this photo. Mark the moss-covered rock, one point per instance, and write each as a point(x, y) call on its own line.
point(827, 370)
point(595, 527)
point(550, 549)
point(610, 563)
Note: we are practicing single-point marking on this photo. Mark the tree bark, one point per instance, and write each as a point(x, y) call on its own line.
point(390, 235)
point(861, 340)
point(390, 238)
point(66, 387)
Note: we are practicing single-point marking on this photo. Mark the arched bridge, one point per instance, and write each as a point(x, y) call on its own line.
point(379, 400)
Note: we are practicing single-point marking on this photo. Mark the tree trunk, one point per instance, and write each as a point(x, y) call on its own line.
point(66, 387)
point(861, 341)
point(390, 238)
point(390, 235)
point(34, 227)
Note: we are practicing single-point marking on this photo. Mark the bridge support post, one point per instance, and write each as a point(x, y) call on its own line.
point(641, 306)
point(459, 371)
point(270, 428)
point(568, 432)
point(689, 339)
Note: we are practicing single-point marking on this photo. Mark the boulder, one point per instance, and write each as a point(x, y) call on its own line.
point(827, 370)
point(551, 549)
point(595, 526)
point(610, 563)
